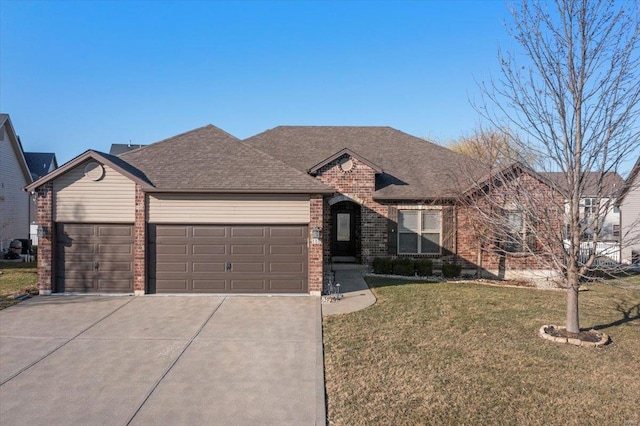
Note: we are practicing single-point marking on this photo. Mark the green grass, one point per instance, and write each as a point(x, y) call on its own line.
point(462, 353)
point(16, 278)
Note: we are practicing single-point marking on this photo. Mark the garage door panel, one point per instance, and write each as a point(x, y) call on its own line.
point(281, 249)
point(209, 249)
point(94, 258)
point(249, 249)
point(289, 267)
point(255, 285)
point(247, 232)
point(288, 285)
point(287, 232)
point(209, 285)
point(115, 231)
point(247, 267)
point(232, 258)
point(208, 267)
point(209, 231)
point(171, 249)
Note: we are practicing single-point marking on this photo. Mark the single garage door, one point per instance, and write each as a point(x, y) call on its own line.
point(227, 259)
point(94, 258)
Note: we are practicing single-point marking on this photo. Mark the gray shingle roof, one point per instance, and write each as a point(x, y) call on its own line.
point(121, 148)
point(39, 163)
point(413, 168)
point(612, 183)
point(209, 159)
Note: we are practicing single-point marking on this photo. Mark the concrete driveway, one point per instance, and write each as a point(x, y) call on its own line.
point(71, 360)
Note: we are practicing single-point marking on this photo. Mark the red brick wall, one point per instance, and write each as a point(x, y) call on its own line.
point(44, 219)
point(359, 183)
point(316, 246)
point(140, 241)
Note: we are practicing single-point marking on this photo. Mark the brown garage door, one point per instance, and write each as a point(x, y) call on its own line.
point(227, 259)
point(94, 258)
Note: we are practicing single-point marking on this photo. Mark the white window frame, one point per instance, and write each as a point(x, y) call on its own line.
point(420, 230)
point(590, 206)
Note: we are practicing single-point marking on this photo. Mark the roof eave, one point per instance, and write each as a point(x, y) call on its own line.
point(238, 191)
point(80, 159)
point(316, 167)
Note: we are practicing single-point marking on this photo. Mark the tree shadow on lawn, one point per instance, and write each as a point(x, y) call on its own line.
point(628, 314)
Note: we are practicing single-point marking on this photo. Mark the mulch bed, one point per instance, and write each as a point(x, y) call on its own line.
point(585, 335)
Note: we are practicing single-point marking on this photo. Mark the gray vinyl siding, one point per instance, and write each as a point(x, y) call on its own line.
point(78, 198)
point(14, 201)
point(228, 209)
point(630, 215)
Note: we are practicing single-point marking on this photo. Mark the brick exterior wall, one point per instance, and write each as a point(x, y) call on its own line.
point(316, 264)
point(470, 232)
point(44, 219)
point(140, 242)
point(359, 183)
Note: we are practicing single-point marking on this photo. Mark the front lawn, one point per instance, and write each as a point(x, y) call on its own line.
point(16, 278)
point(462, 353)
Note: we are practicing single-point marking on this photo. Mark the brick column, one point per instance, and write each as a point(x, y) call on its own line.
point(44, 219)
point(140, 243)
point(316, 246)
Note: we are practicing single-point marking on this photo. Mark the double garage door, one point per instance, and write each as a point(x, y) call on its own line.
point(183, 258)
point(227, 259)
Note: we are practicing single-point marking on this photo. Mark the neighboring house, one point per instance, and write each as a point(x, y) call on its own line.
point(629, 204)
point(205, 212)
point(121, 148)
point(14, 176)
point(39, 163)
point(599, 210)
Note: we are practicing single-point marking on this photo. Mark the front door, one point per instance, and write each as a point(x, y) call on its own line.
point(343, 237)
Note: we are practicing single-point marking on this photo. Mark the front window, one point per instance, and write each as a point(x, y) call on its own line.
point(590, 206)
point(419, 231)
point(518, 235)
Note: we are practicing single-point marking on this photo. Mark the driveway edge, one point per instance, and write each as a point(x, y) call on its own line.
point(321, 401)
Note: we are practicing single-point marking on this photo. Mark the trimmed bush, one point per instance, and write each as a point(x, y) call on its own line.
point(382, 265)
point(450, 270)
point(424, 267)
point(404, 266)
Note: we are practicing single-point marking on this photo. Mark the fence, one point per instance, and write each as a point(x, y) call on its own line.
point(607, 253)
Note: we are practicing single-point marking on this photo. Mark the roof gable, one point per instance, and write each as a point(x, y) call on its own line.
point(16, 146)
point(40, 163)
point(630, 182)
point(114, 162)
point(345, 151)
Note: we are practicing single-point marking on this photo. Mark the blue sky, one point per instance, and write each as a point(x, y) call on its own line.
point(78, 75)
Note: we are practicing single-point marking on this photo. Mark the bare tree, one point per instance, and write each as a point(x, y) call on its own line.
point(492, 147)
point(572, 93)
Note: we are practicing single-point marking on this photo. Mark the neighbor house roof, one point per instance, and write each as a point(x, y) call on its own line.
point(209, 159)
point(40, 162)
point(121, 148)
point(409, 167)
point(595, 183)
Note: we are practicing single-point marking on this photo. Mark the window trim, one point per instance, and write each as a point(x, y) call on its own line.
point(523, 234)
point(420, 210)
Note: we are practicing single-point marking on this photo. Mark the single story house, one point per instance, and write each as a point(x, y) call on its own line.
point(206, 212)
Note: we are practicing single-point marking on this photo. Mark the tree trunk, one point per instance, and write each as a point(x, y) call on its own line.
point(573, 322)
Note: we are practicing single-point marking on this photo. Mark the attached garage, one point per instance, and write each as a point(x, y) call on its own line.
point(228, 259)
point(94, 258)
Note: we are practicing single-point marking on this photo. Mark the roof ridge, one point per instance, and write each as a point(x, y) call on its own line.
point(169, 139)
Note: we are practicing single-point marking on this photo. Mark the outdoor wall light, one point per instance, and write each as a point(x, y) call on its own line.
point(316, 233)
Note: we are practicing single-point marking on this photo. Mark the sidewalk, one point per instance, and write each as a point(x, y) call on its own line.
point(355, 291)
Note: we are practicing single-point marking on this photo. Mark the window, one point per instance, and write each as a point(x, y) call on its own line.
point(518, 236)
point(590, 206)
point(419, 231)
point(616, 230)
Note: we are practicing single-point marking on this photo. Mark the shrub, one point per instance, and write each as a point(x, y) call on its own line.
point(424, 267)
point(382, 265)
point(449, 270)
point(404, 266)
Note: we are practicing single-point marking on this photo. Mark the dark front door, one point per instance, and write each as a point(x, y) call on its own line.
point(343, 238)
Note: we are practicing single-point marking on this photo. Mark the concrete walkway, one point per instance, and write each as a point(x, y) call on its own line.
point(355, 291)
